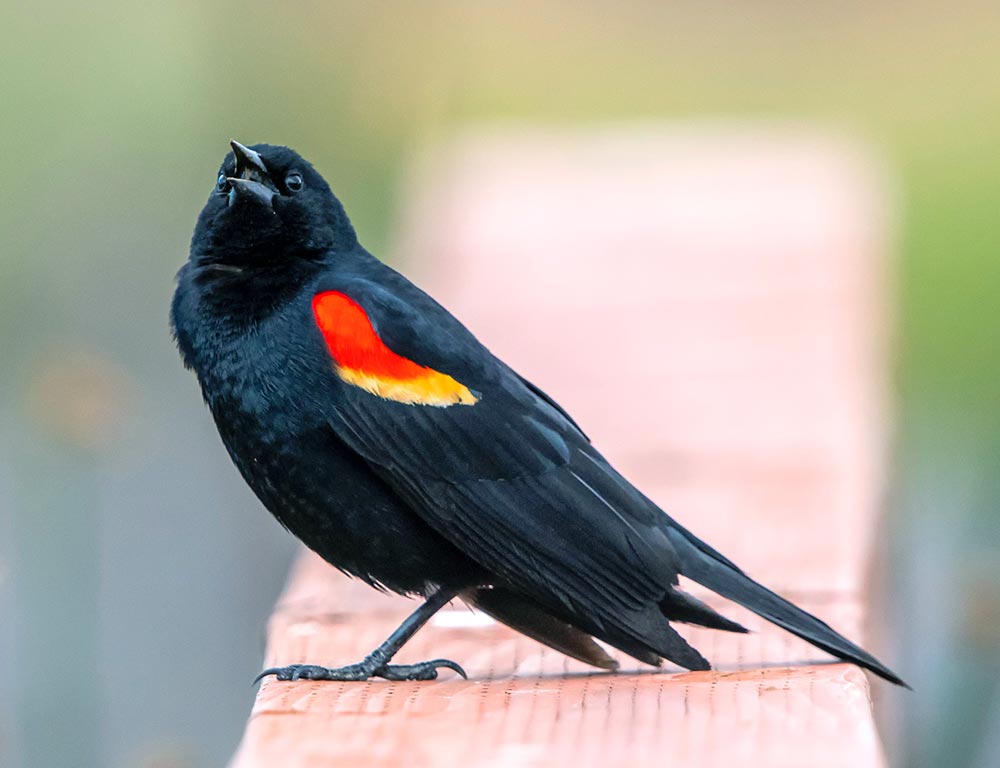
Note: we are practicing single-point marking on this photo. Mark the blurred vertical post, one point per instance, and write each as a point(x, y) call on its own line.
point(56, 635)
point(70, 403)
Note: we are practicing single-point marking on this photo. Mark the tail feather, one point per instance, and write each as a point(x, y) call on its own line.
point(641, 633)
point(645, 628)
point(682, 607)
point(719, 575)
point(528, 618)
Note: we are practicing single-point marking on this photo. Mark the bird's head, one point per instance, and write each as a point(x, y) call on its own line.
point(268, 206)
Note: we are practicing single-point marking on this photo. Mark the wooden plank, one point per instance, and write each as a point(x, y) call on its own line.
point(704, 302)
point(527, 705)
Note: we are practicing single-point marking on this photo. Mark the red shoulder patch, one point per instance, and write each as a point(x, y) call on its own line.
point(361, 358)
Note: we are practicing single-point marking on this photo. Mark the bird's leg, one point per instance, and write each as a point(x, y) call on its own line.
point(376, 663)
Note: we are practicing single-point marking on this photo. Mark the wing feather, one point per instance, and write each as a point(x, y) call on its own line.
point(512, 480)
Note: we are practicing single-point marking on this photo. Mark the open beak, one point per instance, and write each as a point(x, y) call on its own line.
point(247, 161)
point(251, 180)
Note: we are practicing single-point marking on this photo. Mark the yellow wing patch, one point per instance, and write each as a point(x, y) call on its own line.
point(433, 388)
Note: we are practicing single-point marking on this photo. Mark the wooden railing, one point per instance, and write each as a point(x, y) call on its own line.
point(707, 302)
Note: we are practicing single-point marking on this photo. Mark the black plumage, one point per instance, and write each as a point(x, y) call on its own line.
point(503, 502)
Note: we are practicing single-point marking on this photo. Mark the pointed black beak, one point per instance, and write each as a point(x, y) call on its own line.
point(249, 190)
point(251, 180)
point(248, 162)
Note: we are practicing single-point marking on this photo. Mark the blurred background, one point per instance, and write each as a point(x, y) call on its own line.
point(136, 570)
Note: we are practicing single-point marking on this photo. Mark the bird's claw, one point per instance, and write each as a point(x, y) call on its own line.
point(424, 670)
point(314, 672)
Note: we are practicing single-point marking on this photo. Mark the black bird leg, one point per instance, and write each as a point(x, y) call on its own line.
point(376, 663)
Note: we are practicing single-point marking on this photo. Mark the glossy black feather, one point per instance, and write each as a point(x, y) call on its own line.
point(528, 617)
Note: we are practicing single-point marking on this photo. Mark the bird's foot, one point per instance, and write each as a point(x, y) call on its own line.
point(424, 670)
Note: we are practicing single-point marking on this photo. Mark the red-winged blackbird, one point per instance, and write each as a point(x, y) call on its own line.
point(379, 431)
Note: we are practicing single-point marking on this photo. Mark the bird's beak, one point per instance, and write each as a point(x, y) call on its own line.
point(251, 180)
point(249, 190)
point(247, 162)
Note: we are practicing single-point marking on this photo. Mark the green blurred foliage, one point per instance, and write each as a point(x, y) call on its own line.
point(119, 111)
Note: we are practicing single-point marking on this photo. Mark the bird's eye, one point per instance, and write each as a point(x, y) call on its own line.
point(293, 182)
point(221, 183)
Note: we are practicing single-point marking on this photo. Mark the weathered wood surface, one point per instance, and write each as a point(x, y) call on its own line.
point(708, 304)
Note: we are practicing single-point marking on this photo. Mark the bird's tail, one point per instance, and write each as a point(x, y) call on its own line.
point(702, 564)
point(527, 617)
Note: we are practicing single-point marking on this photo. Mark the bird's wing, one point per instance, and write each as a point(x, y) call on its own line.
point(495, 466)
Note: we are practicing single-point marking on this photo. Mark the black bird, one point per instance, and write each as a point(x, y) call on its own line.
point(388, 439)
